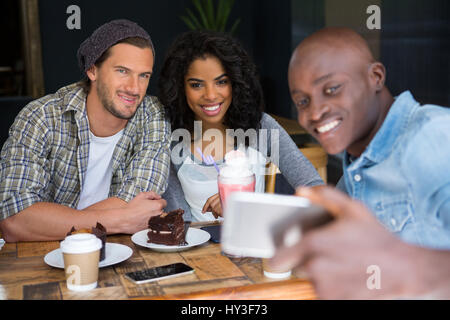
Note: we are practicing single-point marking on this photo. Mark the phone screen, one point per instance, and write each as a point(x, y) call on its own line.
point(288, 231)
point(158, 273)
point(257, 224)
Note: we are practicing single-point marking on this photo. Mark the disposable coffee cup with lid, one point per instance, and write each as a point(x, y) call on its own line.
point(274, 273)
point(81, 253)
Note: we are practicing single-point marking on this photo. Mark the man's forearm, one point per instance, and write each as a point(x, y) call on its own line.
point(45, 221)
point(107, 204)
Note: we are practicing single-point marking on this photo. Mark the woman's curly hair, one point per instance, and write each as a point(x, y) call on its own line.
point(246, 108)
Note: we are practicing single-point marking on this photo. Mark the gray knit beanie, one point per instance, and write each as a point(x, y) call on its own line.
point(105, 37)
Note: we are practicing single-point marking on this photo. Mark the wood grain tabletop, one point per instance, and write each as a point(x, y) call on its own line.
point(25, 275)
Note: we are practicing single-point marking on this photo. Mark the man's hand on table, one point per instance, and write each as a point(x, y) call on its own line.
point(141, 208)
point(344, 258)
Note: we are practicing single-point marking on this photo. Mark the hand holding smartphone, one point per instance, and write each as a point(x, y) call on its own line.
point(255, 224)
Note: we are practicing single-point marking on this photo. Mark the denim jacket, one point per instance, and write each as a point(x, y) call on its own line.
point(403, 176)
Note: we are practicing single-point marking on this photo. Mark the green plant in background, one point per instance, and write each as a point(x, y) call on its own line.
point(210, 17)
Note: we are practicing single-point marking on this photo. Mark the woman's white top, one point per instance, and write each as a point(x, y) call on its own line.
point(199, 182)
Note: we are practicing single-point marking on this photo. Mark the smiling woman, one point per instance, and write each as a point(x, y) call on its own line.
point(210, 88)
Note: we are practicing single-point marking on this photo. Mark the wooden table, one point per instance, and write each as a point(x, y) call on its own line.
point(25, 275)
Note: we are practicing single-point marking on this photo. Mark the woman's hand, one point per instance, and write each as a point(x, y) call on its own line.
point(213, 205)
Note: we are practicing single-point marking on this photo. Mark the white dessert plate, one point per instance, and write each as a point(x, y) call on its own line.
point(115, 253)
point(194, 237)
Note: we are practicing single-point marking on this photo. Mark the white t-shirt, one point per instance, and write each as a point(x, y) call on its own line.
point(199, 182)
point(99, 171)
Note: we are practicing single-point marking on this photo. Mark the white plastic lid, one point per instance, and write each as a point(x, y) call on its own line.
point(80, 243)
point(277, 275)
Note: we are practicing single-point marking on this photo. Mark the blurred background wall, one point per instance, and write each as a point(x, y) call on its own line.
point(413, 42)
point(38, 53)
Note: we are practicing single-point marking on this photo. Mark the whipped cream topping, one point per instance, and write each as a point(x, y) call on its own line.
point(236, 165)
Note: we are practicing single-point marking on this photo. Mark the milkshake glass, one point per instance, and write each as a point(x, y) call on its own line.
point(235, 176)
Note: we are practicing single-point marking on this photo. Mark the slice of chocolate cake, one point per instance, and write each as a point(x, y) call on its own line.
point(168, 229)
point(99, 231)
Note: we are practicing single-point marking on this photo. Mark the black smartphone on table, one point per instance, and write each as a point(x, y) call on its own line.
point(159, 273)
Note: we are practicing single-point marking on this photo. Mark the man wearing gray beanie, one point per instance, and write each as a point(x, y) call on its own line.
point(94, 151)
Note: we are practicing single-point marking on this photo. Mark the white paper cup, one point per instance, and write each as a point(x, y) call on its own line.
point(273, 273)
point(81, 253)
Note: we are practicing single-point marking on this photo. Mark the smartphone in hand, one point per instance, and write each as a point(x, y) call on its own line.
point(288, 231)
point(255, 224)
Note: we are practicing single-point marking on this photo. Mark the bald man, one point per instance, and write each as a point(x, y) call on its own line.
point(396, 155)
point(396, 152)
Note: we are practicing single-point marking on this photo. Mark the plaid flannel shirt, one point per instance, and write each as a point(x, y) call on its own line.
point(46, 155)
